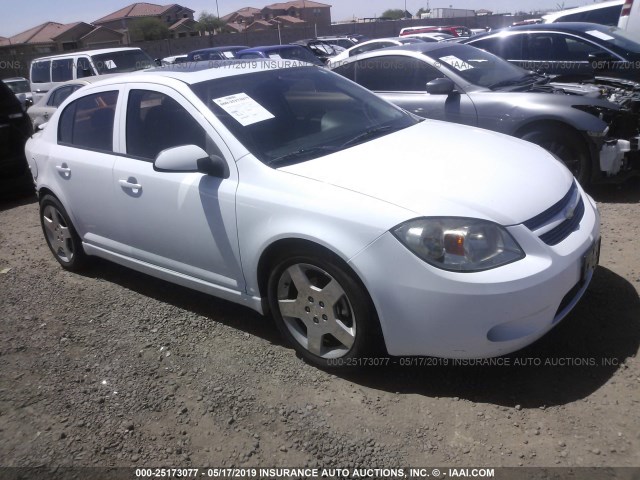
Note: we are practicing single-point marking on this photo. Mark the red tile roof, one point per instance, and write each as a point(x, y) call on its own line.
point(43, 33)
point(296, 4)
point(288, 19)
point(246, 12)
point(138, 10)
point(181, 22)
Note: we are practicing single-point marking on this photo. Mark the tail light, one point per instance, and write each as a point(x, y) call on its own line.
point(626, 8)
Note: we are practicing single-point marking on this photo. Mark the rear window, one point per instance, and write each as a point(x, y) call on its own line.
point(122, 61)
point(41, 72)
point(603, 16)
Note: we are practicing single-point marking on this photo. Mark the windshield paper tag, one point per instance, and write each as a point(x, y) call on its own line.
point(110, 64)
point(244, 109)
point(599, 34)
point(456, 63)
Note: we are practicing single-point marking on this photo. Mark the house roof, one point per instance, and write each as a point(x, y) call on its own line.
point(259, 23)
point(43, 33)
point(142, 9)
point(71, 26)
point(288, 19)
point(101, 29)
point(296, 4)
point(245, 12)
point(183, 22)
point(238, 27)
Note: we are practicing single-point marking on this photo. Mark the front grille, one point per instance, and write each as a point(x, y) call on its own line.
point(562, 231)
point(567, 226)
point(545, 217)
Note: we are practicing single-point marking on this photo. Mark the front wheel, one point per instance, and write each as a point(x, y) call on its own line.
point(567, 146)
point(321, 309)
point(63, 241)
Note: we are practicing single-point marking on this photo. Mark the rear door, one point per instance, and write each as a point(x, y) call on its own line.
point(82, 166)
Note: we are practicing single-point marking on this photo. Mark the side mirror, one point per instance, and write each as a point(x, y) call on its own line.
point(190, 158)
point(440, 86)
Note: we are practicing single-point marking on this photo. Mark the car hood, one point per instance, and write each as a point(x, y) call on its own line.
point(436, 168)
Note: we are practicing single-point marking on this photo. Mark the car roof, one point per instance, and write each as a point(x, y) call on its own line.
point(195, 72)
point(270, 48)
point(218, 49)
point(422, 47)
point(584, 8)
point(560, 26)
point(15, 79)
point(84, 52)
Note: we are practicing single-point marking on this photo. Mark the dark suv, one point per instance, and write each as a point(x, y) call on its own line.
point(15, 128)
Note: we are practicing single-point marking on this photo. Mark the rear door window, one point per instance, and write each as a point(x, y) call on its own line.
point(60, 95)
point(88, 122)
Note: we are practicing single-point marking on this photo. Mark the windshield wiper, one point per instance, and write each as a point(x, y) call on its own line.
point(303, 153)
point(370, 133)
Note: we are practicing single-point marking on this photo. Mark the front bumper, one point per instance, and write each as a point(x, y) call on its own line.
point(427, 311)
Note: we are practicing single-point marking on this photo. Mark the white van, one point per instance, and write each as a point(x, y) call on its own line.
point(604, 13)
point(49, 72)
point(630, 19)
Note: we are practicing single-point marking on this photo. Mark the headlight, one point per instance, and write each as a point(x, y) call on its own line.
point(459, 244)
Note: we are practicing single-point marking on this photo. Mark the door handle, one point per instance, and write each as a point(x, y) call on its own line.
point(129, 184)
point(64, 170)
point(45, 115)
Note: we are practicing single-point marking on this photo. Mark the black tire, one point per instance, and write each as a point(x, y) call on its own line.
point(61, 236)
point(352, 316)
point(567, 145)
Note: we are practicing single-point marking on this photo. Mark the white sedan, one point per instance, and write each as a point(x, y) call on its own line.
point(299, 194)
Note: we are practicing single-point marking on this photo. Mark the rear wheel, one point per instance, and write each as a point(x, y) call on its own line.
point(321, 309)
point(567, 145)
point(63, 241)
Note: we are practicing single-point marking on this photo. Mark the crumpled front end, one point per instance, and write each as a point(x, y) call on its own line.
point(618, 145)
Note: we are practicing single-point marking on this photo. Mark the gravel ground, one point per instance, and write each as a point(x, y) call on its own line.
point(115, 368)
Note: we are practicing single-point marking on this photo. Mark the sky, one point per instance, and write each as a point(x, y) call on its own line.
point(19, 16)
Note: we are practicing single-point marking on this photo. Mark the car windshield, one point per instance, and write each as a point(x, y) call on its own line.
point(477, 66)
point(618, 40)
point(122, 61)
point(19, 86)
point(287, 116)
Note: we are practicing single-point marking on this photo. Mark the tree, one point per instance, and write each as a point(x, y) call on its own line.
point(394, 14)
point(208, 22)
point(149, 28)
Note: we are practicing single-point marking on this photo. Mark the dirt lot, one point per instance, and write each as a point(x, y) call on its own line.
point(113, 367)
